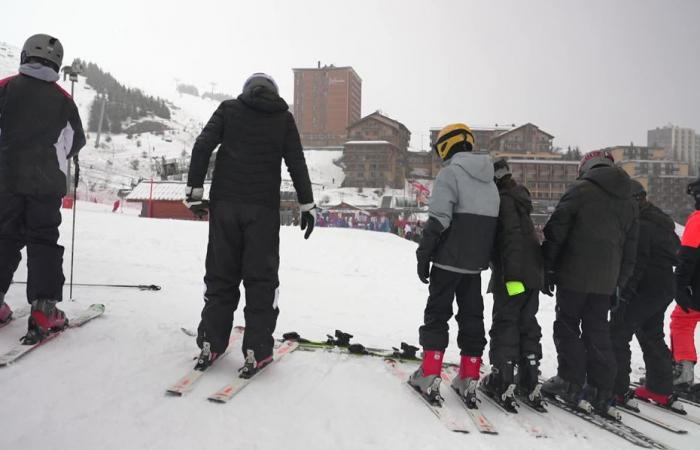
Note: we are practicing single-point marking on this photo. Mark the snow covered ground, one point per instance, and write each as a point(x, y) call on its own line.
point(102, 386)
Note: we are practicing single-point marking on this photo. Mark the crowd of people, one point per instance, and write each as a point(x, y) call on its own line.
point(607, 250)
point(608, 253)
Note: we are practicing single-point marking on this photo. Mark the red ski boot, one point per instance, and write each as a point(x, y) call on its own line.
point(426, 380)
point(5, 312)
point(45, 319)
point(466, 382)
point(665, 401)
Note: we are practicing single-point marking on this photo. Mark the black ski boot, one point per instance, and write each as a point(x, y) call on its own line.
point(206, 357)
point(529, 389)
point(252, 366)
point(571, 393)
point(499, 385)
point(602, 402)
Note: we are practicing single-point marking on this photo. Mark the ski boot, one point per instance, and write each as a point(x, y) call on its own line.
point(499, 385)
point(426, 379)
point(529, 388)
point(602, 402)
point(467, 381)
point(669, 402)
point(252, 366)
point(44, 319)
point(206, 357)
point(626, 401)
point(5, 311)
point(683, 374)
point(570, 393)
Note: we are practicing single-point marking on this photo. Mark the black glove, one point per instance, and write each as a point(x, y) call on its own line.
point(684, 298)
point(426, 247)
point(550, 281)
point(424, 269)
point(618, 305)
point(308, 218)
point(195, 203)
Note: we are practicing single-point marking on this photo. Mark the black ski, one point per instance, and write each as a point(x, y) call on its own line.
point(619, 429)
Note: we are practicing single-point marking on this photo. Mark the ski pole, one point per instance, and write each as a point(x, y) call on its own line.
point(75, 205)
point(142, 287)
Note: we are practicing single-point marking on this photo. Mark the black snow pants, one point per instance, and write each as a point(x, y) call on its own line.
point(243, 246)
point(514, 332)
point(32, 221)
point(444, 286)
point(582, 339)
point(643, 317)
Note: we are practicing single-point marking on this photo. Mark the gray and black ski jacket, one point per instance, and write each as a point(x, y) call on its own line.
point(465, 202)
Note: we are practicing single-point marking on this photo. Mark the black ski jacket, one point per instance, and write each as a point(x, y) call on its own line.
point(656, 256)
point(517, 254)
point(40, 129)
point(591, 238)
point(255, 132)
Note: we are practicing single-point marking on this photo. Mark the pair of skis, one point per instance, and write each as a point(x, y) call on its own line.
point(237, 384)
point(454, 422)
point(20, 350)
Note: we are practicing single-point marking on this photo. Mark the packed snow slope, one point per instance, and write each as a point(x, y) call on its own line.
point(102, 386)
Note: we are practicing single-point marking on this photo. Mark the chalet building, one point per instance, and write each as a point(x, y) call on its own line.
point(422, 165)
point(375, 154)
point(526, 138)
point(547, 180)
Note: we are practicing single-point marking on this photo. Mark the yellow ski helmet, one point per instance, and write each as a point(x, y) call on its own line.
point(451, 135)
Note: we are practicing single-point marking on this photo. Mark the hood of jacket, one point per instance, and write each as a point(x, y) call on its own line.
point(519, 193)
point(613, 180)
point(264, 100)
point(39, 71)
point(477, 165)
point(653, 214)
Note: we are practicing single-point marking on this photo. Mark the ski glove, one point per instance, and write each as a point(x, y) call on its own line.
point(684, 298)
point(515, 288)
point(428, 245)
point(618, 305)
point(550, 281)
point(424, 269)
point(308, 218)
point(195, 203)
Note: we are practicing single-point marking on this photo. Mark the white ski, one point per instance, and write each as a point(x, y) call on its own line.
point(480, 421)
point(17, 314)
point(225, 394)
point(20, 350)
point(187, 382)
point(446, 416)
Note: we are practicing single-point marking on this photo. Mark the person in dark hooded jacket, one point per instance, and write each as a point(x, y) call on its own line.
point(643, 306)
point(516, 280)
point(589, 255)
point(254, 132)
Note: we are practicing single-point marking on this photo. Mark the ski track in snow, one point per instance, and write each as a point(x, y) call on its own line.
point(102, 386)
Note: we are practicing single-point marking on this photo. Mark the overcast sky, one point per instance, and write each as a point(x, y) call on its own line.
point(592, 73)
